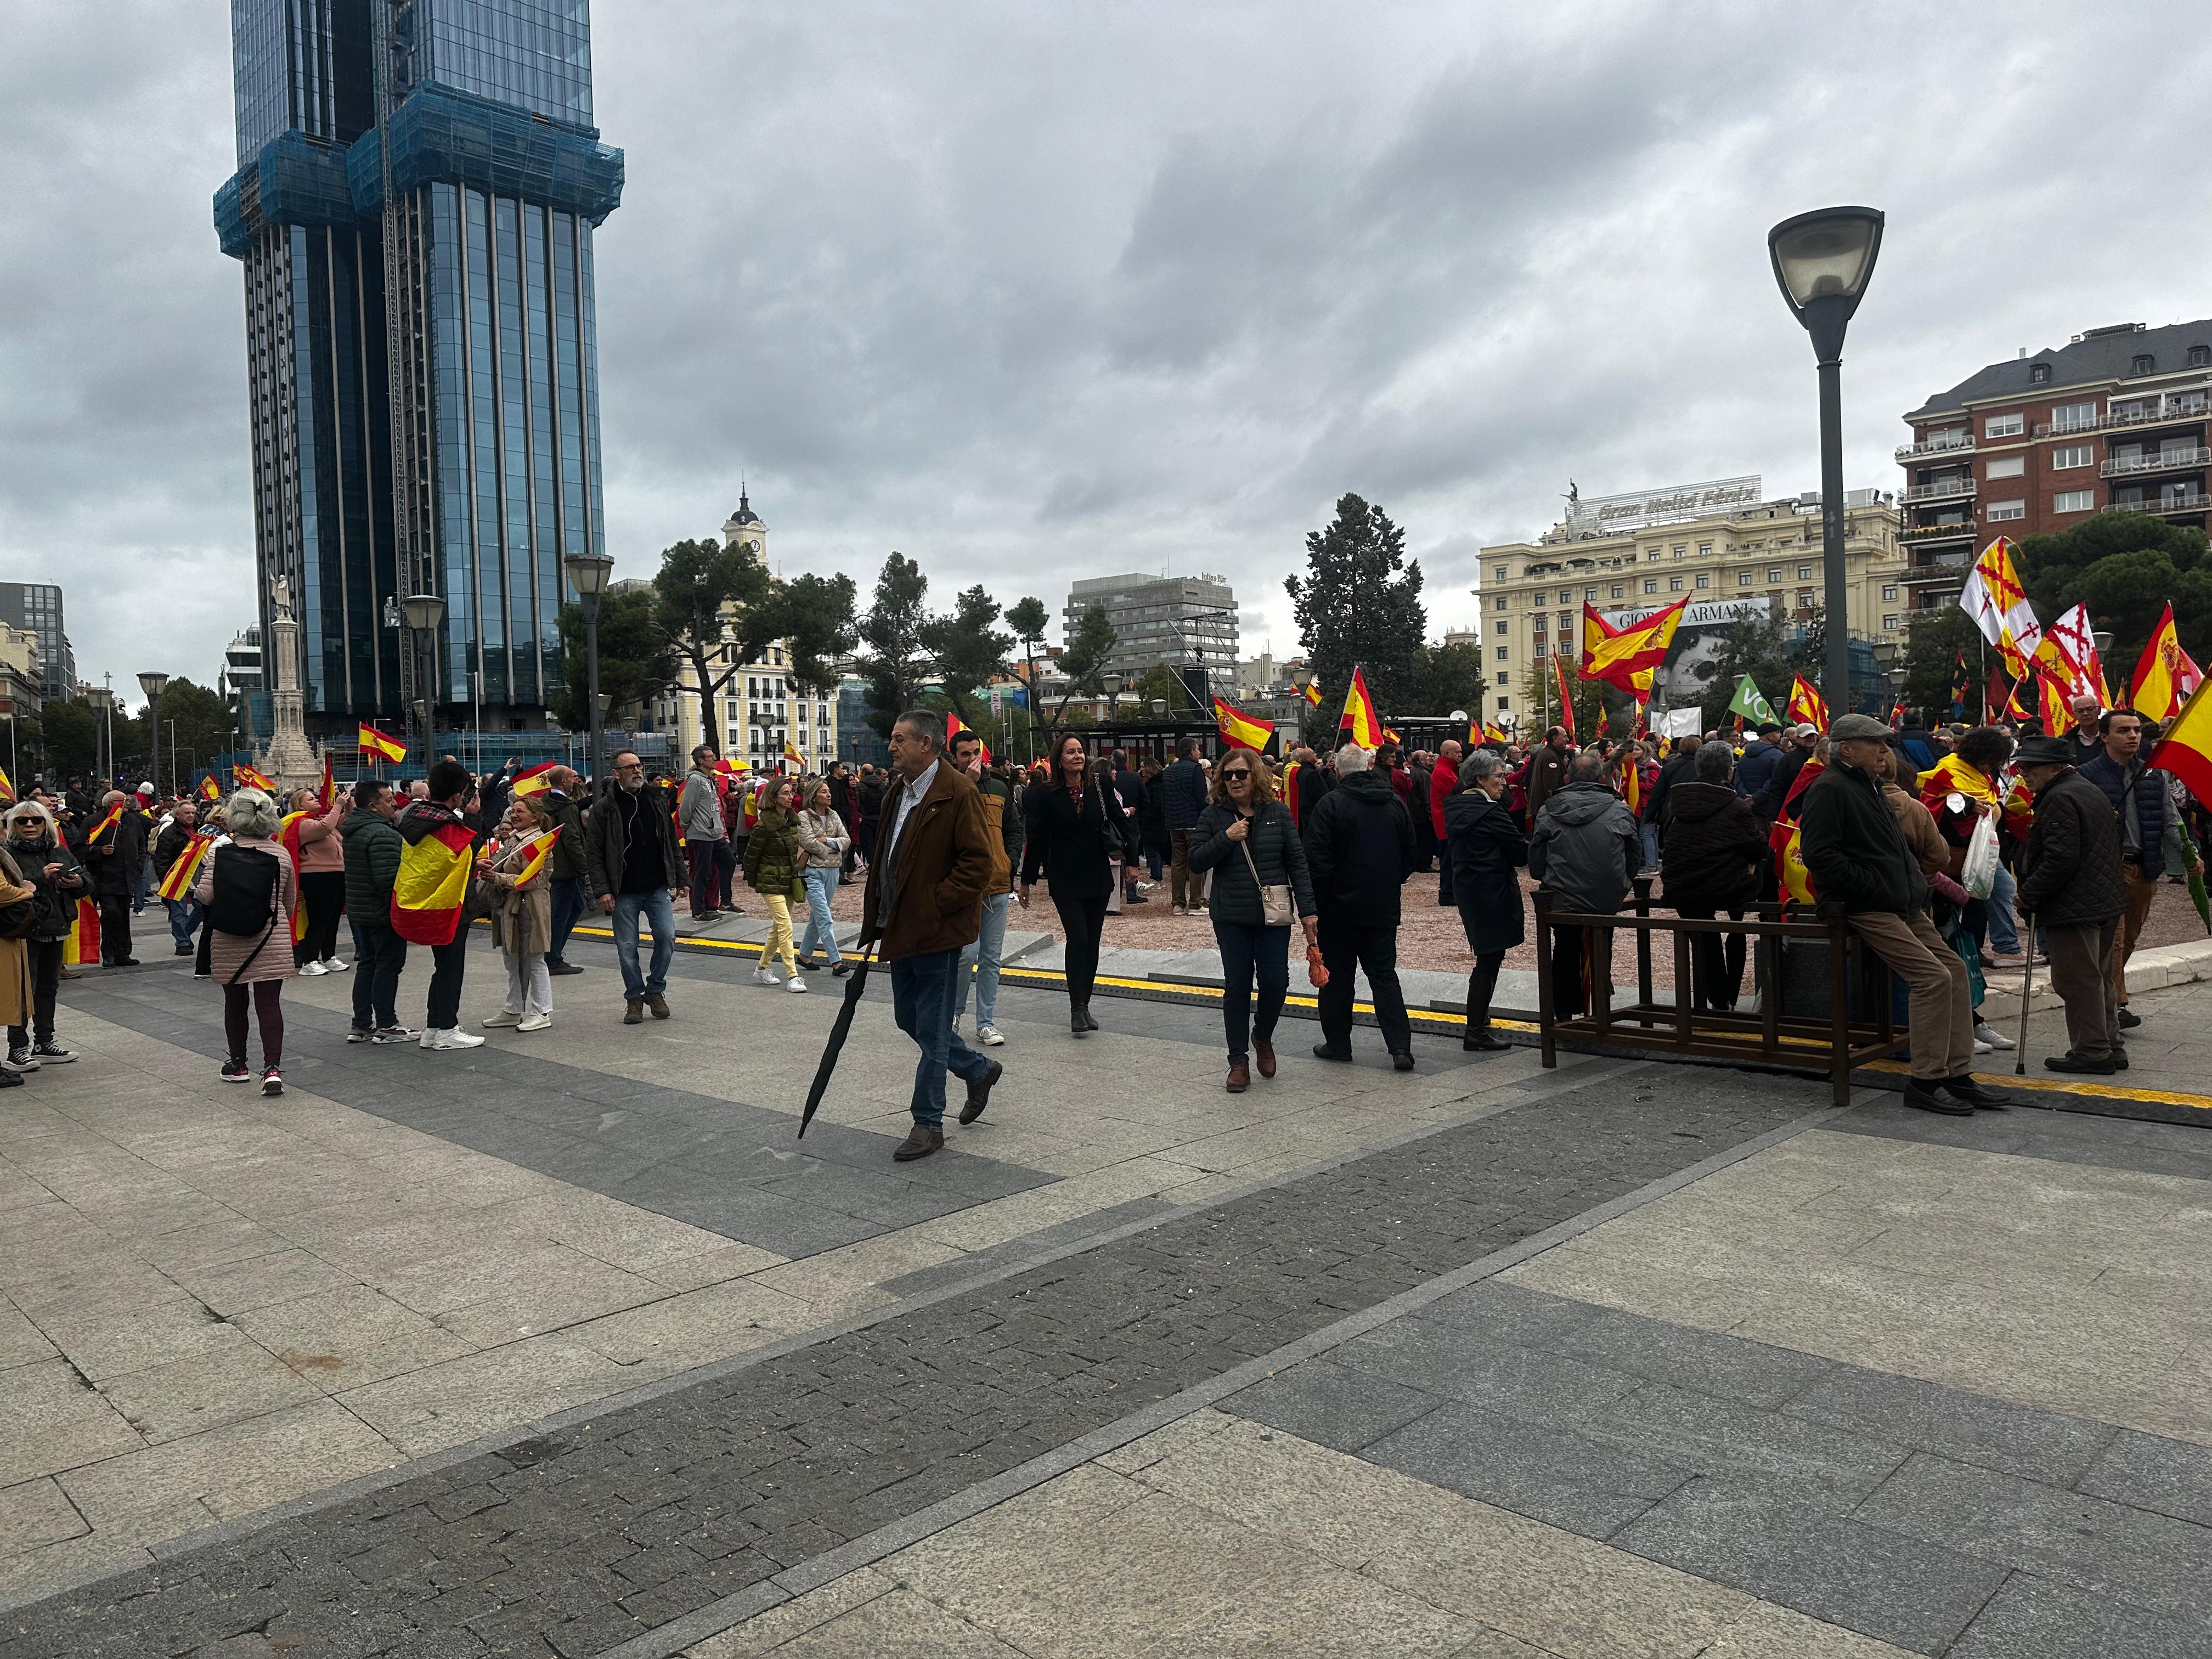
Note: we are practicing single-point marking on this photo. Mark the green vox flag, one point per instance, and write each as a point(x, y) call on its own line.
point(1748, 703)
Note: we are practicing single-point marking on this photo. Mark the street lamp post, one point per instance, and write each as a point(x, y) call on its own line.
point(1822, 261)
point(102, 699)
point(587, 575)
point(422, 612)
point(1111, 684)
point(151, 682)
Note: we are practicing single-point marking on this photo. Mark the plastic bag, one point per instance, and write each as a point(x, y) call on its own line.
point(1980, 874)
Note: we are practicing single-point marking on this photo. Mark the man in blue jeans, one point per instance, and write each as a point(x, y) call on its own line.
point(923, 906)
point(983, 957)
point(636, 873)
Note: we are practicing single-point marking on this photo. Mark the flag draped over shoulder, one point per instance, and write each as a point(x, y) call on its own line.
point(2008, 797)
point(1359, 718)
point(1628, 656)
point(2186, 751)
point(1238, 729)
point(2159, 691)
point(176, 883)
point(433, 875)
point(373, 742)
point(1806, 706)
point(1791, 877)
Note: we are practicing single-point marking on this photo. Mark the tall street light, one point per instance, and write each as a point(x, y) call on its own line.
point(1111, 684)
point(102, 699)
point(587, 575)
point(151, 684)
point(422, 612)
point(1822, 261)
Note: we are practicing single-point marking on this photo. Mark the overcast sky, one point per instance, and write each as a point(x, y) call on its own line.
point(1036, 292)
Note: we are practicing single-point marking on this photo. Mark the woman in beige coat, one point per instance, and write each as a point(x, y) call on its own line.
point(254, 964)
point(15, 962)
point(521, 914)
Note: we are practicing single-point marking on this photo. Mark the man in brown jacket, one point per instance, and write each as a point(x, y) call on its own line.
point(922, 906)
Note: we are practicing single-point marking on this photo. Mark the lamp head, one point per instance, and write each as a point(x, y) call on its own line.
point(589, 573)
point(1111, 684)
point(1822, 262)
point(423, 612)
point(151, 684)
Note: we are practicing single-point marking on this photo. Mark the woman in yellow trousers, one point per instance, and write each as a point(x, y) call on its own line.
point(773, 862)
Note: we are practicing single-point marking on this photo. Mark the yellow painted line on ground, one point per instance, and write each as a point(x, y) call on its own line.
point(2067, 1086)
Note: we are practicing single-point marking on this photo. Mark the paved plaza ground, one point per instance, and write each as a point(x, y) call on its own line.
point(566, 1346)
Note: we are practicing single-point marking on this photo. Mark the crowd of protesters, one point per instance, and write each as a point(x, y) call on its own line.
point(1940, 848)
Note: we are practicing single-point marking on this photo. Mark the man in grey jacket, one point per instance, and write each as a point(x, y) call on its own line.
point(699, 814)
point(1585, 851)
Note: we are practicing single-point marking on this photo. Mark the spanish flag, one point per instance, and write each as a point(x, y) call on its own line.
point(2158, 688)
point(534, 853)
point(329, 793)
point(433, 875)
point(793, 756)
point(114, 817)
point(1491, 733)
point(1311, 692)
point(1791, 877)
point(534, 779)
point(178, 882)
point(1951, 776)
point(7, 789)
point(2053, 689)
point(954, 727)
point(1806, 706)
point(1629, 655)
point(209, 789)
point(250, 779)
point(288, 837)
point(1359, 719)
point(1239, 729)
point(373, 742)
point(2186, 751)
point(1566, 702)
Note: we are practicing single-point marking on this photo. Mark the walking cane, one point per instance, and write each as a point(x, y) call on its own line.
point(2027, 984)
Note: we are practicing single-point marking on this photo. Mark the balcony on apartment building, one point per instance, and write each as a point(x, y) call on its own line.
point(1942, 490)
point(1946, 443)
point(1938, 564)
point(2172, 409)
point(2175, 458)
point(1948, 530)
point(2189, 499)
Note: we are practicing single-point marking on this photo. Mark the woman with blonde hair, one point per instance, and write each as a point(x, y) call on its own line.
point(248, 890)
point(521, 913)
point(322, 879)
point(1246, 838)
point(824, 841)
point(772, 865)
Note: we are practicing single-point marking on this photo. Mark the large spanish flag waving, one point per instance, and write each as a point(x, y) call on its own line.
point(1239, 729)
point(373, 742)
point(2165, 677)
point(251, 778)
point(535, 780)
point(1806, 706)
point(1359, 718)
point(2186, 751)
point(1628, 655)
point(954, 726)
point(433, 875)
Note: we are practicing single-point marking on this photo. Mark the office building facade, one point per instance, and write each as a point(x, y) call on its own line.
point(2115, 421)
point(37, 606)
point(1720, 546)
point(1188, 623)
point(418, 187)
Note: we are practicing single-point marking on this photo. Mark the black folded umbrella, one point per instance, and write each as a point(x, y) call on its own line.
point(839, 1029)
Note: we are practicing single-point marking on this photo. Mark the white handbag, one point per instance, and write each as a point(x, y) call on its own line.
point(1276, 908)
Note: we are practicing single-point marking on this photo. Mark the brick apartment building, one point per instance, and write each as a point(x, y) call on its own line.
point(2113, 421)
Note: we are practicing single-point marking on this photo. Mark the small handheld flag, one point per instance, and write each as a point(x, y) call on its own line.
point(793, 756)
point(374, 742)
point(1749, 702)
point(1311, 692)
point(114, 817)
point(330, 790)
point(176, 883)
point(248, 778)
point(209, 789)
point(1359, 718)
point(534, 853)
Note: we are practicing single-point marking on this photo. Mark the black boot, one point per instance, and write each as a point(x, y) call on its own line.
point(1076, 1024)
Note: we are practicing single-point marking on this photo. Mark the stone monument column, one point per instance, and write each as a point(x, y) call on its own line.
point(290, 759)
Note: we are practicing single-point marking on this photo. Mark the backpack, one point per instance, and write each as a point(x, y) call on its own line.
point(247, 885)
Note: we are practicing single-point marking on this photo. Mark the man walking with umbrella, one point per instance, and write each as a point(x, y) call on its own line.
point(924, 904)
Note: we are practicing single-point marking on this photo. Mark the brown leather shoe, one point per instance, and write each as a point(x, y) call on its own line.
point(1264, 1052)
point(920, 1143)
point(1240, 1077)
point(634, 1011)
point(658, 1003)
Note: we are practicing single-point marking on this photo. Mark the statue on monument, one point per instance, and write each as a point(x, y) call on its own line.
point(290, 759)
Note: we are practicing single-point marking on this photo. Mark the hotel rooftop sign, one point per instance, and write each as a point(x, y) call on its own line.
point(1606, 515)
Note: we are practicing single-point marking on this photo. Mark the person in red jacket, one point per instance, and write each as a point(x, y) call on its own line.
point(1441, 781)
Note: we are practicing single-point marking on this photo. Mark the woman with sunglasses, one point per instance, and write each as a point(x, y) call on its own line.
point(1246, 838)
point(1074, 827)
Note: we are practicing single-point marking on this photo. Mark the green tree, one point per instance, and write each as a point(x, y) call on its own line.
point(1539, 689)
point(2122, 568)
point(1360, 603)
point(1445, 677)
point(1161, 684)
point(968, 649)
point(896, 659)
point(636, 663)
point(1932, 646)
point(1084, 661)
point(719, 608)
point(71, 733)
point(1755, 644)
point(1028, 619)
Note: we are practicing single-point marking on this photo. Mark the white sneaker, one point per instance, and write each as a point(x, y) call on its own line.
point(1982, 1047)
point(535, 1023)
point(454, 1038)
point(1987, 1033)
point(502, 1020)
point(795, 983)
point(762, 976)
point(989, 1036)
point(312, 968)
point(332, 965)
point(1179, 910)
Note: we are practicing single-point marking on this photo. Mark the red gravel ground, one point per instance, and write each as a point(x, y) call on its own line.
point(1429, 935)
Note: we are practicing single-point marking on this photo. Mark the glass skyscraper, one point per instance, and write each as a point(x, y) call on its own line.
point(447, 440)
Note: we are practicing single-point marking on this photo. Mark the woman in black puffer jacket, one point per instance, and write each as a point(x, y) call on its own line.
point(1247, 838)
point(1715, 853)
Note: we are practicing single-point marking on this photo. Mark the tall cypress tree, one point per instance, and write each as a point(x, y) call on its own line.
point(1360, 603)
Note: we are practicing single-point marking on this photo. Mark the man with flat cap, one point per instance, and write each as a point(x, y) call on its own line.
point(2075, 892)
point(1864, 872)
